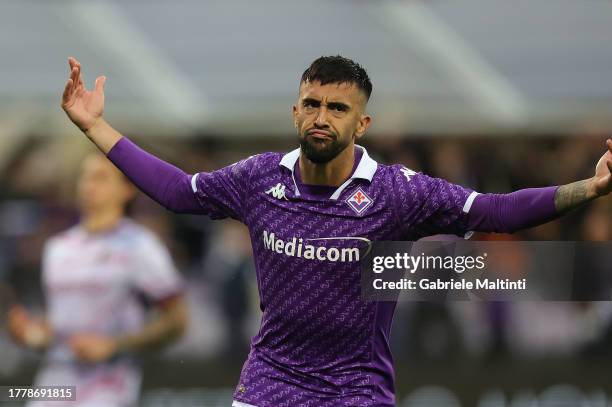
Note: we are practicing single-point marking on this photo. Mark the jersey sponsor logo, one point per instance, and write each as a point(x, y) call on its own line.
point(308, 249)
point(407, 173)
point(277, 191)
point(359, 201)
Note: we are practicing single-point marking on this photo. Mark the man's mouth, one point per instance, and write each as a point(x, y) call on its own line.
point(320, 134)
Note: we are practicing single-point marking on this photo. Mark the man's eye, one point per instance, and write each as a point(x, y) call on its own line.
point(310, 104)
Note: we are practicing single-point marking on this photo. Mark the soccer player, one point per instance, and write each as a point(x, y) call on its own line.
point(308, 213)
point(95, 278)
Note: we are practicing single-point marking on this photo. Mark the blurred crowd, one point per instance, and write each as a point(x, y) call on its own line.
point(36, 201)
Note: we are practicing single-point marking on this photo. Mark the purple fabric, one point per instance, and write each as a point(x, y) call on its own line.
point(507, 213)
point(319, 344)
point(163, 182)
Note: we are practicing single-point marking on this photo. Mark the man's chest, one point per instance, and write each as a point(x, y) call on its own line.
point(357, 209)
point(92, 268)
point(289, 229)
point(321, 219)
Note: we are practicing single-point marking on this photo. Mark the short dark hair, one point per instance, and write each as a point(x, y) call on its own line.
point(338, 69)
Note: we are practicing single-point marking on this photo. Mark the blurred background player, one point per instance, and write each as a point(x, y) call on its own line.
point(100, 278)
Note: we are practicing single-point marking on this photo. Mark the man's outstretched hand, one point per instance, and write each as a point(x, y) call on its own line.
point(602, 180)
point(83, 107)
point(570, 196)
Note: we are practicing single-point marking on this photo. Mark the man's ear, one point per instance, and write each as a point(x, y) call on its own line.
point(362, 126)
point(294, 113)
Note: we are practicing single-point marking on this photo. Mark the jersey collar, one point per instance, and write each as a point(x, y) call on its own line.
point(365, 170)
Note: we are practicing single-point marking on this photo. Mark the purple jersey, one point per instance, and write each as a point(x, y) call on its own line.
point(319, 343)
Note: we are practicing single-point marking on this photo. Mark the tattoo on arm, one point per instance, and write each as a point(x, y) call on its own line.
point(571, 196)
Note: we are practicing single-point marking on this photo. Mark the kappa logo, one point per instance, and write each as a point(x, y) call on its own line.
point(277, 191)
point(359, 201)
point(407, 173)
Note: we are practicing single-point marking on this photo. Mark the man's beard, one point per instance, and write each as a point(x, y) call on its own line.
point(321, 152)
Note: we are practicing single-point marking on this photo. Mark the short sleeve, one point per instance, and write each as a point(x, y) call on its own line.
point(155, 275)
point(222, 193)
point(431, 206)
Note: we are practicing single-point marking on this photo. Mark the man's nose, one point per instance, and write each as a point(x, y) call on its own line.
point(321, 120)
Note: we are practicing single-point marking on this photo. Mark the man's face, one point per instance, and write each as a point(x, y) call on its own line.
point(328, 118)
point(101, 186)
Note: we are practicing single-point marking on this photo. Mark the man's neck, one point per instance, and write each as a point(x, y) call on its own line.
point(101, 221)
point(332, 173)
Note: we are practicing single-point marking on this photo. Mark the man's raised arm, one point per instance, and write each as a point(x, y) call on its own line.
point(164, 183)
point(508, 213)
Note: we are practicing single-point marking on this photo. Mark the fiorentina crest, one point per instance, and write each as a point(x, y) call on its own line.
point(359, 201)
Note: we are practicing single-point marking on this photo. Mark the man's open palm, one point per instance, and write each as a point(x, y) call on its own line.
point(603, 172)
point(84, 107)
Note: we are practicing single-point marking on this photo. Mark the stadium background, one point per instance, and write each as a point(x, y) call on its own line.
point(490, 94)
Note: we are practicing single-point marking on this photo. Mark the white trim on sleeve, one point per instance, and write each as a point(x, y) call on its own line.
point(241, 404)
point(468, 203)
point(194, 187)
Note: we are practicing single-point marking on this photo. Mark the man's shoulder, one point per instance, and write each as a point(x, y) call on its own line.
point(397, 172)
point(404, 181)
point(266, 158)
point(66, 236)
point(136, 235)
point(258, 163)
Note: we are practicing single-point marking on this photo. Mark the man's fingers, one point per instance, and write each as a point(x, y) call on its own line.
point(100, 81)
point(75, 72)
point(609, 163)
point(75, 75)
point(78, 81)
point(72, 62)
point(609, 144)
point(74, 78)
point(67, 92)
point(81, 83)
